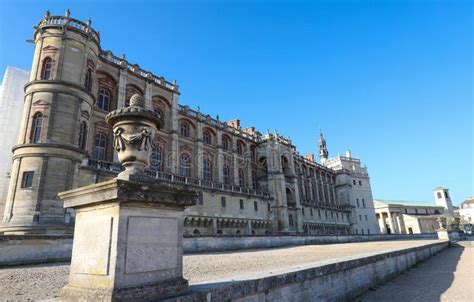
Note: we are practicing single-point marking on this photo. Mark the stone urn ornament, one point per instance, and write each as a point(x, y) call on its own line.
point(134, 128)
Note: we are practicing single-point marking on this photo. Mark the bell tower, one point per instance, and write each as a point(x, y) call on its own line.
point(442, 199)
point(52, 138)
point(323, 151)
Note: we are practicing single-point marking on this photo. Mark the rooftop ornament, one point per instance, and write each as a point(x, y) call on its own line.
point(134, 128)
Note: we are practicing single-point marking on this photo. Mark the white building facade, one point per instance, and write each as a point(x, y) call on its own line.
point(11, 107)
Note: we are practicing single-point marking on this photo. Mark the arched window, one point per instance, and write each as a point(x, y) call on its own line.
point(155, 159)
point(254, 181)
point(47, 67)
point(184, 129)
point(225, 143)
point(104, 100)
point(241, 178)
point(240, 148)
point(206, 137)
point(100, 145)
point(225, 173)
point(206, 169)
point(37, 128)
point(82, 136)
point(88, 80)
point(184, 165)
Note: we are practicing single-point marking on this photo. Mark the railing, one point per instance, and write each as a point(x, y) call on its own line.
point(172, 178)
point(134, 68)
point(71, 23)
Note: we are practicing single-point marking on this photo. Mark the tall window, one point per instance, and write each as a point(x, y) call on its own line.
point(240, 148)
point(184, 165)
point(206, 169)
point(241, 178)
point(82, 136)
point(88, 80)
point(37, 127)
point(254, 181)
point(104, 100)
point(155, 159)
point(225, 143)
point(225, 173)
point(100, 145)
point(206, 137)
point(184, 129)
point(439, 195)
point(47, 67)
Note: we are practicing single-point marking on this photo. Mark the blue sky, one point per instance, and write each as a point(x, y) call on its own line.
point(391, 80)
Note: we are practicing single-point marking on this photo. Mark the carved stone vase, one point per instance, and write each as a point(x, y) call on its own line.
point(134, 128)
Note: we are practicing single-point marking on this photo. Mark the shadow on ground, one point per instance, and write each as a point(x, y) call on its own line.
point(427, 281)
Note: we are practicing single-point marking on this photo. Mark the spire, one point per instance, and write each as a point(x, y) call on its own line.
point(323, 151)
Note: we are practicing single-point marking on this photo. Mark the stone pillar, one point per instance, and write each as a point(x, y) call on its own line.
point(248, 165)
point(135, 229)
point(220, 157)
point(199, 154)
point(121, 93)
point(174, 139)
point(148, 95)
point(235, 160)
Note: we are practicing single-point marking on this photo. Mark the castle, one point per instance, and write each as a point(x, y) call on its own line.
point(250, 183)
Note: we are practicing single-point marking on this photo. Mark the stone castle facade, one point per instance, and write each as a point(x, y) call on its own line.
point(250, 183)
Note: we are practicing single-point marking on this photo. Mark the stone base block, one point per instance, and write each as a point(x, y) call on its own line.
point(151, 292)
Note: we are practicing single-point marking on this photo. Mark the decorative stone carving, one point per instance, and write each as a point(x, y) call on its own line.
point(134, 128)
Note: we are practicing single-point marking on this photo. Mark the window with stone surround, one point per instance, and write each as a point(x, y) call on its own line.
point(241, 201)
point(184, 129)
point(103, 102)
point(241, 178)
point(27, 180)
point(37, 127)
point(88, 80)
point(155, 159)
point(82, 141)
point(184, 165)
point(225, 173)
point(100, 147)
point(225, 142)
point(223, 201)
point(206, 169)
point(47, 68)
point(206, 137)
point(255, 206)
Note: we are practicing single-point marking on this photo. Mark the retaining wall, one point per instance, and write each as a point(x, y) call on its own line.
point(25, 249)
point(341, 280)
point(34, 249)
point(213, 244)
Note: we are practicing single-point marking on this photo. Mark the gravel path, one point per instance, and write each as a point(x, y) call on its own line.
point(43, 282)
point(449, 277)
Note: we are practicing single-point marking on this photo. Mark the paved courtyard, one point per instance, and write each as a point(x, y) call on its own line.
point(449, 276)
point(37, 282)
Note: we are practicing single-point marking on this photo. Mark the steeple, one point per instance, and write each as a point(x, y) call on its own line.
point(323, 151)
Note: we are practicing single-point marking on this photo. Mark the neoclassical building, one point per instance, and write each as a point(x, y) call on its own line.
point(250, 183)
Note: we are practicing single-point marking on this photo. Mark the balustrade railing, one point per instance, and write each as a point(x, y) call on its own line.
point(71, 23)
point(172, 178)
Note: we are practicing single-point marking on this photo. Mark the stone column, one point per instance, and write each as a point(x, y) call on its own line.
point(121, 93)
point(127, 241)
point(148, 95)
point(198, 156)
point(220, 157)
point(248, 165)
point(174, 139)
point(235, 160)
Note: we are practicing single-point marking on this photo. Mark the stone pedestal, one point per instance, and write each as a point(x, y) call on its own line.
point(127, 241)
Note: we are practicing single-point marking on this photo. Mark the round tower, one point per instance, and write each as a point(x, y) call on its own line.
point(52, 139)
